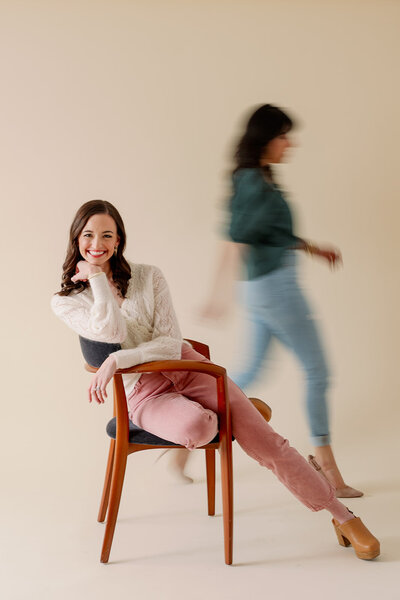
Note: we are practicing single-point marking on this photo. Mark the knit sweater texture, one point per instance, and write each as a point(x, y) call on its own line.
point(145, 325)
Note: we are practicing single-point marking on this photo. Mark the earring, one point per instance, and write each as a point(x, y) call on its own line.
point(115, 250)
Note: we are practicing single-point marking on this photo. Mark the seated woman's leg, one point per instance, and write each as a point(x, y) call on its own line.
point(257, 437)
point(158, 408)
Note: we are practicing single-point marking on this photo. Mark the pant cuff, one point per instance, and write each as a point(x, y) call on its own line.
point(321, 440)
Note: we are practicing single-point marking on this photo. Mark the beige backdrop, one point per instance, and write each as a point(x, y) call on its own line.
point(138, 103)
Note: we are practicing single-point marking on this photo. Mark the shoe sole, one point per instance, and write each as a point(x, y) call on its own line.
point(340, 494)
point(362, 555)
point(368, 555)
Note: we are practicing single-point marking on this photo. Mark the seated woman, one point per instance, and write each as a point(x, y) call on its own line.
point(105, 298)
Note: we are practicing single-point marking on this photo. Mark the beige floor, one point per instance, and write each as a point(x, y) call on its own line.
point(167, 547)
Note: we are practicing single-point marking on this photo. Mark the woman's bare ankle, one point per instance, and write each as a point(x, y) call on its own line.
point(326, 460)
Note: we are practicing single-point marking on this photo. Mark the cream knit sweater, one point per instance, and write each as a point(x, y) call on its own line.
point(145, 325)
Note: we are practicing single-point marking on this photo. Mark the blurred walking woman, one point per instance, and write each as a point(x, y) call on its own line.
point(105, 298)
point(275, 304)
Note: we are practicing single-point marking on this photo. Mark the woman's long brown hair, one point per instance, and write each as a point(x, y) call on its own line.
point(121, 271)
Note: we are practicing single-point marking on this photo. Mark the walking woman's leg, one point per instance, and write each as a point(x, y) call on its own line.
point(252, 354)
point(296, 328)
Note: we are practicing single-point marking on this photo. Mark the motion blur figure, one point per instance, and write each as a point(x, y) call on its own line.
point(261, 226)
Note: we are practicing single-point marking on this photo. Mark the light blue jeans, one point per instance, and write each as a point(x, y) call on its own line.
point(276, 307)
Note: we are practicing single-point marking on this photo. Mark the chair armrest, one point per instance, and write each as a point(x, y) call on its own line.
point(170, 365)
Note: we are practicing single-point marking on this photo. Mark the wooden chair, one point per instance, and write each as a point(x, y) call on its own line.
point(127, 438)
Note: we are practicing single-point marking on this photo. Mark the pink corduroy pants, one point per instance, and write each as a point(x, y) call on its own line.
point(180, 407)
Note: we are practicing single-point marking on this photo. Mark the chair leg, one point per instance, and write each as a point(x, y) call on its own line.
point(115, 497)
point(227, 501)
point(107, 484)
point(210, 470)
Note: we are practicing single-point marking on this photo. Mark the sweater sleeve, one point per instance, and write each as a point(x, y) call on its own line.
point(257, 217)
point(166, 342)
point(101, 321)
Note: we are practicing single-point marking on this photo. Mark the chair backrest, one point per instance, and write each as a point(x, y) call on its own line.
point(95, 353)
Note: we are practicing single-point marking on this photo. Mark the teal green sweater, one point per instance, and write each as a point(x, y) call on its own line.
point(261, 218)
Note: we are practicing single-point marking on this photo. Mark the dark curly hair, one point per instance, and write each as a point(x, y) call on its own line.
point(121, 271)
point(265, 124)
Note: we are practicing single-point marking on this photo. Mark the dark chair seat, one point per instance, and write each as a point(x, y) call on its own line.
point(141, 436)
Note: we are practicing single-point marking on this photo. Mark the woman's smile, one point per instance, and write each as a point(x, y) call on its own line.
point(96, 253)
